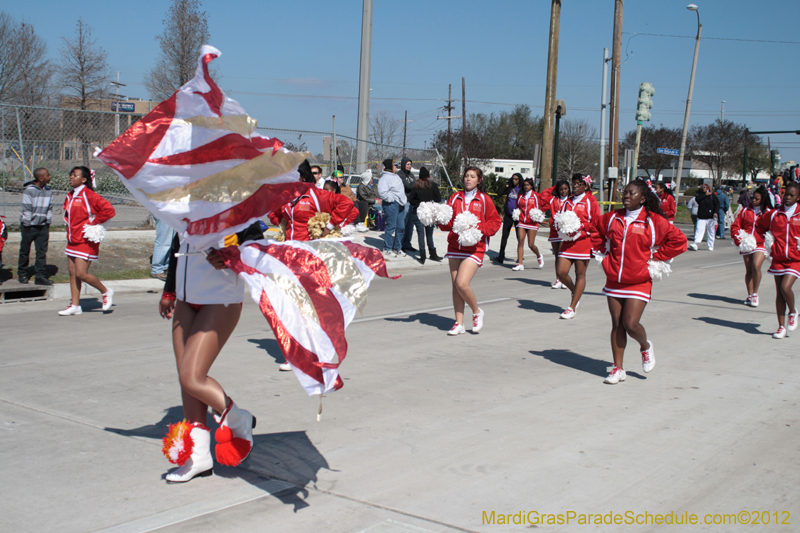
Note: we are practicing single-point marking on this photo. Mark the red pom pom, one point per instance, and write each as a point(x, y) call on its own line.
point(233, 451)
point(223, 435)
point(178, 444)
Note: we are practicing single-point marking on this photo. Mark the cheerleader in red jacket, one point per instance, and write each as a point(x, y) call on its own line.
point(527, 202)
point(299, 211)
point(577, 251)
point(667, 202)
point(751, 252)
point(784, 223)
point(629, 238)
point(465, 260)
point(84, 207)
point(552, 199)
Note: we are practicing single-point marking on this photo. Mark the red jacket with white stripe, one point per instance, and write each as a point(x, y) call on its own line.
point(630, 246)
point(84, 206)
point(746, 220)
point(668, 206)
point(489, 221)
point(303, 208)
point(587, 209)
point(786, 231)
point(525, 206)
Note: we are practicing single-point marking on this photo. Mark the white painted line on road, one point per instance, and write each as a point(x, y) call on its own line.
point(190, 511)
point(720, 265)
point(430, 310)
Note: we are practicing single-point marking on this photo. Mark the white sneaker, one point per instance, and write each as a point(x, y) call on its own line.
point(648, 358)
point(401, 253)
point(477, 321)
point(519, 267)
point(108, 299)
point(615, 375)
point(792, 323)
point(285, 367)
point(540, 259)
point(754, 300)
point(747, 301)
point(71, 310)
point(693, 247)
point(557, 285)
point(781, 333)
point(457, 329)
point(711, 249)
point(568, 313)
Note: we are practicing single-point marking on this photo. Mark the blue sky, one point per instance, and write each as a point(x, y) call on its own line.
point(312, 48)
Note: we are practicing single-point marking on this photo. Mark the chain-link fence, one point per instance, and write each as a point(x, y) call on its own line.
point(59, 139)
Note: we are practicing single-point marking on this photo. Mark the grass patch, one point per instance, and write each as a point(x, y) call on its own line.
point(140, 273)
point(682, 215)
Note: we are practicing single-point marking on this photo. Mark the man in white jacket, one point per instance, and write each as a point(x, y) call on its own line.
point(393, 199)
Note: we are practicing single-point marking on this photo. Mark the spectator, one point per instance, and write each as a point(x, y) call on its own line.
point(724, 205)
point(408, 183)
point(424, 190)
point(707, 212)
point(691, 205)
point(366, 192)
point(160, 260)
point(316, 172)
point(511, 192)
point(393, 198)
point(37, 213)
point(744, 198)
point(3, 237)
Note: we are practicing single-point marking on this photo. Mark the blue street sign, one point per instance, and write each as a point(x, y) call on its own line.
point(123, 107)
point(668, 151)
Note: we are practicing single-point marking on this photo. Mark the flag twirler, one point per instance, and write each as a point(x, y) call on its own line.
point(197, 163)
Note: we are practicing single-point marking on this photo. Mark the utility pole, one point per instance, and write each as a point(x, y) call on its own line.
point(405, 127)
point(116, 105)
point(550, 92)
point(362, 132)
point(613, 122)
point(603, 105)
point(722, 112)
point(449, 108)
point(464, 120)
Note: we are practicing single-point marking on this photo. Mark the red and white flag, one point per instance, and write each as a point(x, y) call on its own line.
point(197, 163)
point(309, 292)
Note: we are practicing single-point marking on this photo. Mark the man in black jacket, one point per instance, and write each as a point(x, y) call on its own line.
point(408, 183)
point(707, 210)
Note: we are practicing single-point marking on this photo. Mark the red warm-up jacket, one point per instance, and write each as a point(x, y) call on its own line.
point(747, 220)
point(786, 231)
point(525, 206)
point(489, 221)
point(84, 206)
point(668, 206)
point(299, 211)
point(630, 246)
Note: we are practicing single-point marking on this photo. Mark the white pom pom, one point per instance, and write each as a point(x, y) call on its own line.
point(536, 215)
point(361, 227)
point(658, 269)
point(515, 215)
point(747, 242)
point(568, 225)
point(348, 230)
point(599, 256)
point(444, 214)
point(798, 243)
point(94, 233)
point(769, 240)
point(465, 226)
point(426, 213)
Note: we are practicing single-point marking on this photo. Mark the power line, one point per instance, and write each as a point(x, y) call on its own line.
point(712, 38)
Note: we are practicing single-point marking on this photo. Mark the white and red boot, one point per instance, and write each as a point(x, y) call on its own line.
point(234, 435)
point(189, 447)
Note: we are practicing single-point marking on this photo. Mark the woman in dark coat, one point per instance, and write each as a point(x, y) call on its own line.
point(424, 190)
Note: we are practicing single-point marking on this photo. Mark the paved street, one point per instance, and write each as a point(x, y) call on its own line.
point(429, 431)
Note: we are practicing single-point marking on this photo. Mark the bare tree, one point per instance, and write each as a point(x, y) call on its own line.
point(720, 145)
point(578, 148)
point(25, 72)
point(83, 73)
point(652, 139)
point(185, 31)
point(383, 128)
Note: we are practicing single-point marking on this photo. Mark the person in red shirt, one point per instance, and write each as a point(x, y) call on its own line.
point(527, 201)
point(784, 223)
point(667, 202)
point(627, 240)
point(552, 199)
point(299, 211)
point(84, 207)
point(465, 260)
point(753, 259)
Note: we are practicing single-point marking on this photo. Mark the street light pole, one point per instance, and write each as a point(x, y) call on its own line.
point(690, 7)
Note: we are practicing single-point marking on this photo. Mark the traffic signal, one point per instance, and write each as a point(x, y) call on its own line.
point(645, 103)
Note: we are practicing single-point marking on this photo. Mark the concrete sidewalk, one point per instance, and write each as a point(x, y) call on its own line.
point(430, 431)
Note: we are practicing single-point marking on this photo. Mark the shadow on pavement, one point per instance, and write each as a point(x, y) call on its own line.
point(271, 347)
point(532, 282)
point(577, 361)
point(540, 307)
point(428, 319)
point(375, 242)
point(715, 297)
point(752, 329)
point(153, 431)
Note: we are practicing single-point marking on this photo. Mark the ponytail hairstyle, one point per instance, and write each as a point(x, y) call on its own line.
point(86, 173)
point(765, 201)
point(333, 184)
point(666, 187)
point(481, 185)
point(652, 204)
